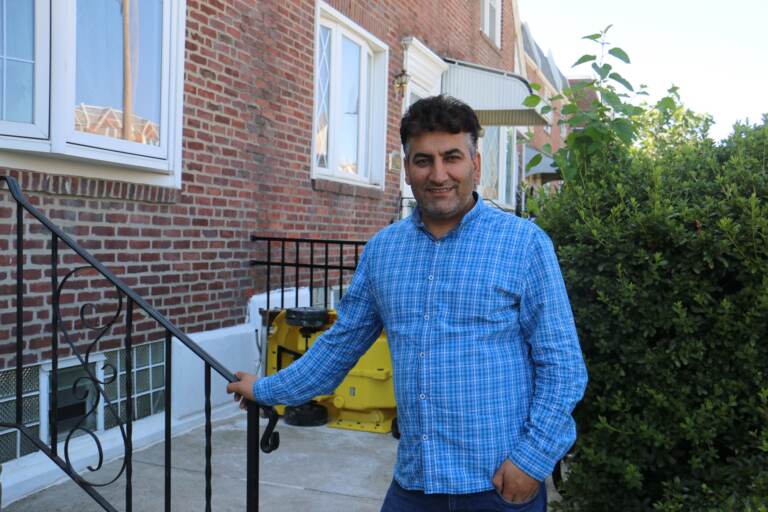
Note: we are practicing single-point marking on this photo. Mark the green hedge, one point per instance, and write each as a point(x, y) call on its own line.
point(664, 249)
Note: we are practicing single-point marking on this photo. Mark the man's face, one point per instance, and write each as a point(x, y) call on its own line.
point(442, 174)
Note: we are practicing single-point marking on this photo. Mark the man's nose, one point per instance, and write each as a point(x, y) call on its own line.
point(439, 172)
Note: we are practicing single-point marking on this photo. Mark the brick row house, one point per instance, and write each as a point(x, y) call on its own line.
point(162, 135)
point(546, 139)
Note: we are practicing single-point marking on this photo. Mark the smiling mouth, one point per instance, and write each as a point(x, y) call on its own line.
point(441, 190)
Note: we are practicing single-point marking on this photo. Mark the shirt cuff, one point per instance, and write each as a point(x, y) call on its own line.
point(530, 460)
point(264, 391)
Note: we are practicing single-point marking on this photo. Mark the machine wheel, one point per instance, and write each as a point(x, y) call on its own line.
point(306, 415)
point(313, 318)
point(395, 428)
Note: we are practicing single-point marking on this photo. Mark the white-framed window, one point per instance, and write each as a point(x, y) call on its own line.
point(491, 20)
point(498, 179)
point(109, 90)
point(349, 134)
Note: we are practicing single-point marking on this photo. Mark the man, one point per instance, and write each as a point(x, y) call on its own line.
point(487, 365)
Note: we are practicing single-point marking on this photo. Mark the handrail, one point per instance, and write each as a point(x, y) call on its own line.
point(269, 439)
point(18, 195)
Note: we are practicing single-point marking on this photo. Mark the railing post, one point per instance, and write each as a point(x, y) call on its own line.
point(19, 311)
point(252, 455)
point(168, 366)
point(128, 405)
point(296, 274)
point(54, 430)
point(208, 444)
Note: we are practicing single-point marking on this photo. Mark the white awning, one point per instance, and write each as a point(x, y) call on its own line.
point(495, 95)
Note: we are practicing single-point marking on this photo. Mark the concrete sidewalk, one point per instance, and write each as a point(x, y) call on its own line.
point(317, 469)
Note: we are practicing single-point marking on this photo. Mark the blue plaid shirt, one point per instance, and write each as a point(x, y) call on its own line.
point(487, 364)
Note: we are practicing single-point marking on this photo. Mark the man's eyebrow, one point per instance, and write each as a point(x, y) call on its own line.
point(448, 152)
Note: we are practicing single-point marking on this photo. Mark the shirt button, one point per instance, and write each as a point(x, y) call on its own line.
point(426, 317)
point(423, 396)
point(430, 278)
point(424, 437)
point(422, 355)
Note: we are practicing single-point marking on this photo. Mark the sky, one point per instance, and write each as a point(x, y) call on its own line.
point(716, 52)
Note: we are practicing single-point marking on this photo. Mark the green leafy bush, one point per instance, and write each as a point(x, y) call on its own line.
point(662, 236)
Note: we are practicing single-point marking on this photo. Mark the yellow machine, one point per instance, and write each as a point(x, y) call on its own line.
point(365, 400)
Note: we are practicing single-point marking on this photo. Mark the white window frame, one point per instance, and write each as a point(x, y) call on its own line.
point(38, 129)
point(374, 145)
point(502, 171)
point(55, 138)
point(486, 20)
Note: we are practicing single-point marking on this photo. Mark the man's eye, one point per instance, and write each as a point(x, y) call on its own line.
point(421, 162)
point(452, 158)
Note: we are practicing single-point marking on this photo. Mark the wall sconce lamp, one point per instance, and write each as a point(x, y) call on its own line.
point(401, 81)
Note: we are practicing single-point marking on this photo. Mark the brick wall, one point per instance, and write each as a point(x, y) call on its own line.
point(246, 170)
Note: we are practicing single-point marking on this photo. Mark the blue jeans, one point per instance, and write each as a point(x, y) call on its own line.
point(403, 500)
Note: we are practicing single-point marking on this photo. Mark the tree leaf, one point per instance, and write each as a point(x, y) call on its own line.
point(569, 109)
point(583, 59)
point(535, 86)
point(547, 148)
point(602, 71)
point(532, 100)
point(666, 103)
point(623, 130)
point(619, 54)
point(606, 29)
point(533, 162)
point(569, 173)
point(593, 37)
point(620, 79)
point(612, 100)
point(546, 109)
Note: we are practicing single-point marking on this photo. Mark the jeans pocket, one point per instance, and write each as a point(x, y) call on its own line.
point(510, 505)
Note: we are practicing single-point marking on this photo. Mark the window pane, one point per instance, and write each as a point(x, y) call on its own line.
point(20, 29)
point(17, 66)
point(511, 155)
point(492, 21)
point(323, 96)
point(350, 103)
point(364, 164)
point(489, 178)
point(20, 90)
point(104, 71)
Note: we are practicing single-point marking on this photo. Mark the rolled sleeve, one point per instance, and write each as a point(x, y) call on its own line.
point(560, 373)
point(322, 368)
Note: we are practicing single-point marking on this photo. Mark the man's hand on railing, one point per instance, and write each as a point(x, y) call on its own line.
point(243, 388)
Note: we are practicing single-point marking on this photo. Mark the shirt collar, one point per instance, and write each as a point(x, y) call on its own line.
point(468, 217)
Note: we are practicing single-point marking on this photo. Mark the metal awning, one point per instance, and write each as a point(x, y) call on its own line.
point(546, 166)
point(495, 95)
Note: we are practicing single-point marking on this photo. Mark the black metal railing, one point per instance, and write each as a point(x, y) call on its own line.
point(302, 262)
point(90, 315)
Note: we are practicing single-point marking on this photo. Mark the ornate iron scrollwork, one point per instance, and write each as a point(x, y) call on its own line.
point(98, 386)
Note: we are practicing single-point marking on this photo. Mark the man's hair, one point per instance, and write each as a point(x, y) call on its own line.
point(440, 114)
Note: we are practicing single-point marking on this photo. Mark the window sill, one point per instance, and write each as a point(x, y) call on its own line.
point(346, 188)
point(491, 42)
point(99, 188)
